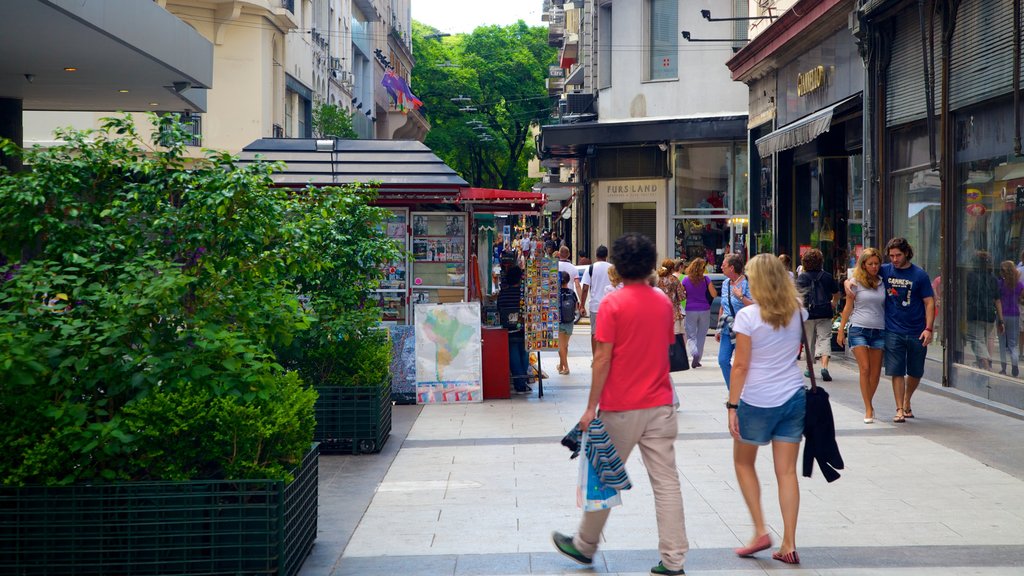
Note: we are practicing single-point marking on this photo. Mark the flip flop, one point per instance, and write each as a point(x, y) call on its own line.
point(788, 558)
point(908, 413)
point(899, 417)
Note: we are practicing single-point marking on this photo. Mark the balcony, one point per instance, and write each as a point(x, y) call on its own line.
point(556, 27)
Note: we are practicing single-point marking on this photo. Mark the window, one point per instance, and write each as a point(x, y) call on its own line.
point(633, 162)
point(604, 46)
point(711, 179)
point(663, 42)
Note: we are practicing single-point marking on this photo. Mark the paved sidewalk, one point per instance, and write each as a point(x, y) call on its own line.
point(477, 489)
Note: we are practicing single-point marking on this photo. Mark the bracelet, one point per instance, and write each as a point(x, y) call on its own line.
point(928, 329)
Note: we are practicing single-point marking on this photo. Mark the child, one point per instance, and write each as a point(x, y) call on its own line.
point(567, 305)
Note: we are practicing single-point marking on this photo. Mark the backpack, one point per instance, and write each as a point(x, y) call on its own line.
point(567, 305)
point(819, 304)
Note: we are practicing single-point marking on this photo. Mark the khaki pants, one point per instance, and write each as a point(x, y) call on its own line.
point(654, 431)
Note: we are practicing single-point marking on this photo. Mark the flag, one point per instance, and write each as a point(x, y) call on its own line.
point(399, 91)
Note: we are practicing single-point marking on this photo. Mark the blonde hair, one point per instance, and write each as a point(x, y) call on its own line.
point(772, 289)
point(860, 272)
point(613, 276)
point(695, 271)
point(668, 265)
point(1009, 274)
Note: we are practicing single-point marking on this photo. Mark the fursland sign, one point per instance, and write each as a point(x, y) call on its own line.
point(632, 190)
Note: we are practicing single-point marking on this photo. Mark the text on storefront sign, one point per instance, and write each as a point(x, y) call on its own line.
point(813, 79)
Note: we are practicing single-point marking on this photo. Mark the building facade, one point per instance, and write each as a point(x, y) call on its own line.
point(275, 60)
point(882, 118)
point(652, 133)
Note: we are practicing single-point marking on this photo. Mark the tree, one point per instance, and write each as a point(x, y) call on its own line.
point(332, 121)
point(501, 70)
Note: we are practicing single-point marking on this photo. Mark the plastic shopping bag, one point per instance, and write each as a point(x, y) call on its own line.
point(591, 494)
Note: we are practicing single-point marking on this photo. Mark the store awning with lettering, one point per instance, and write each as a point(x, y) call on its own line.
point(801, 131)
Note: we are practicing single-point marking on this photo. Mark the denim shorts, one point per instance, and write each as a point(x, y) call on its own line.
point(784, 423)
point(904, 355)
point(565, 328)
point(870, 337)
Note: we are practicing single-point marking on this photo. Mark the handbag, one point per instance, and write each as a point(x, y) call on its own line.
point(591, 494)
point(707, 291)
point(677, 357)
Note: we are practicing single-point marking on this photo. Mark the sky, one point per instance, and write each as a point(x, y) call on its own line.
point(462, 16)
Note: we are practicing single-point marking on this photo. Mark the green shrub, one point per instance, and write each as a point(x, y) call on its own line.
point(355, 361)
point(143, 297)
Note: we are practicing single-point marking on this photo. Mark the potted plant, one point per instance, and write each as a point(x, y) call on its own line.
point(148, 422)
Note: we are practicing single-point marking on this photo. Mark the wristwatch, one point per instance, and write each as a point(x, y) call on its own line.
point(730, 406)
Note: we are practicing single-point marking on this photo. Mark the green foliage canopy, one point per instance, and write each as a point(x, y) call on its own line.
point(331, 121)
point(502, 70)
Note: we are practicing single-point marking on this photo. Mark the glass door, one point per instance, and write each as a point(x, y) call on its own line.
point(438, 257)
point(393, 294)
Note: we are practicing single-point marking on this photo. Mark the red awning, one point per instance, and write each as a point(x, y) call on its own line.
point(495, 200)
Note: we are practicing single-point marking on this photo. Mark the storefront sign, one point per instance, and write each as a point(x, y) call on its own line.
point(810, 81)
point(620, 190)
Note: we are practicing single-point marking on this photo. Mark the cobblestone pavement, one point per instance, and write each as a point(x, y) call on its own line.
point(477, 489)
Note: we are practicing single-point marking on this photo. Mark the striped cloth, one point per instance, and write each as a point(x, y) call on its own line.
point(603, 457)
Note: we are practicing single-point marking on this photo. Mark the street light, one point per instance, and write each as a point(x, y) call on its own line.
point(460, 99)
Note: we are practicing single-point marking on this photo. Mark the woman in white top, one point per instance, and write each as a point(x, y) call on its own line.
point(766, 398)
point(865, 311)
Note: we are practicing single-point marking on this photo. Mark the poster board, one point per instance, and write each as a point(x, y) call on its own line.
point(540, 300)
point(448, 354)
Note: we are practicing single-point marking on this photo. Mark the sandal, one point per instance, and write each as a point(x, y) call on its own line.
point(789, 557)
point(907, 413)
point(899, 417)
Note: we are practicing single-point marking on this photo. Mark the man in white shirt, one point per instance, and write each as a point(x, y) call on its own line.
point(595, 283)
point(565, 266)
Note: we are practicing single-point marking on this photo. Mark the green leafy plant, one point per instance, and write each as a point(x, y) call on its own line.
point(143, 297)
point(332, 121)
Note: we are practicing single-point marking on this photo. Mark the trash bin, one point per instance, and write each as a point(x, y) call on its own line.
point(495, 363)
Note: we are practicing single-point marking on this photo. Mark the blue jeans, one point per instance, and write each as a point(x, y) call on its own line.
point(518, 362)
point(725, 350)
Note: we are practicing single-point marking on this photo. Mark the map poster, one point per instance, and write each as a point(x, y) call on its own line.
point(448, 354)
point(540, 299)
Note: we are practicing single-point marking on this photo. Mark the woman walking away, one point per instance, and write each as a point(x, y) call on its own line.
point(698, 308)
point(672, 288)
point(865, 312)
point(766, 399)
point(567, 305)
point(1011, 291)
point(735, 295)
point(820, 296)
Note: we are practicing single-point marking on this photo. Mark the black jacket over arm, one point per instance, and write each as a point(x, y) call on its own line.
point(820, 432)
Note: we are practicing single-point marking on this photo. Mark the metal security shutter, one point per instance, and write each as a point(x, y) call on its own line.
point(642, 220)
point(905, 97)
point(982, 52)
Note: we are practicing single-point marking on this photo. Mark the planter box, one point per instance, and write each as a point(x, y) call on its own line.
point(161, 528)
point(353, 419)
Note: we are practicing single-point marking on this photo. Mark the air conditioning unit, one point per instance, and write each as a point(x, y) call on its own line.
point(335, 63)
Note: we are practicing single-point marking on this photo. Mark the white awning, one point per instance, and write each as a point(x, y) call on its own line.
point(799, 132)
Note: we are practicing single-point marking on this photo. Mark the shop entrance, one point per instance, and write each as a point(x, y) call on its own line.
point(625, 217)
point(821, 209)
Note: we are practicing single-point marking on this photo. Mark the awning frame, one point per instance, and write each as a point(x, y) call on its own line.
point(799, 132)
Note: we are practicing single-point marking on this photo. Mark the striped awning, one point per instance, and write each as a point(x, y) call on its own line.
point(799, 132)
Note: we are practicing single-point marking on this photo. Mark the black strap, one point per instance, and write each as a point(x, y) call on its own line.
point(807, 353)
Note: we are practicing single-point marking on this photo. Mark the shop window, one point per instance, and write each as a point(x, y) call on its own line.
point(604, 46)
point(635, 162)
point(914, 212)
point(711, 179)
point(663, 39)
point(988, 201)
